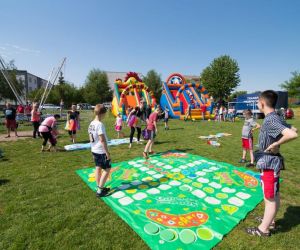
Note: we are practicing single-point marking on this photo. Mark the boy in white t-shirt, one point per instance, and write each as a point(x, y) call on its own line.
point(98, 139)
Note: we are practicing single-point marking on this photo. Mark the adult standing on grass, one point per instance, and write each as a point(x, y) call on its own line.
point(47, 129)
point(35, 119)
point(10, 119)
point(73, 122)
point(152, 132)
point(98, 139)
point(61, 105)
point(274, 132)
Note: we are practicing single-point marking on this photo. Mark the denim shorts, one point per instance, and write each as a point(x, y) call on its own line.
point(101, 161)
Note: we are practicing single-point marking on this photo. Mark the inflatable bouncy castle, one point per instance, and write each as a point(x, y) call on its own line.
point(130, 93)
point(178, 96)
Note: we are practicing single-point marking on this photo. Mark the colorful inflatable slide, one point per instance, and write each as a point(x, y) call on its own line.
point(129, 93)
point(177, 95)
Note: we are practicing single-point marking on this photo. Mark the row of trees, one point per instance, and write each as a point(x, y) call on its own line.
point(220, 78)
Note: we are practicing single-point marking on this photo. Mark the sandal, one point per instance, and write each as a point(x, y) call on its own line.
point(256, 232)
point(145, 155)
point(260, 219)
point(151, 152)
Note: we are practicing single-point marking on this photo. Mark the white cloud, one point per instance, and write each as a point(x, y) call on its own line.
point(16, 49)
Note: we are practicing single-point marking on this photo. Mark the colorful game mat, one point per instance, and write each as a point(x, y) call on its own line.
point(83, 146)
point(216, 136)
point(177, 200)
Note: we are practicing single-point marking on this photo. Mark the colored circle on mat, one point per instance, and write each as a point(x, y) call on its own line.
point(143, 186)
point(153, 183)
point(184, 188)
point(163, 179)
point(187, 236)
point(209, 190)
point(192, 175)
point(131, 191)
point(151, 228)
point(186, 180)
point(197, 184)
point(168, 235)
point(91, 179)
point(205, 234)
point(222, 195)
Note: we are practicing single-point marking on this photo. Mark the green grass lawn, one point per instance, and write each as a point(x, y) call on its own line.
point(45, 205)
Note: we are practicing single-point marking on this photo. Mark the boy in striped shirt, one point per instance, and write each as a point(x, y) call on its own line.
point(274, 132)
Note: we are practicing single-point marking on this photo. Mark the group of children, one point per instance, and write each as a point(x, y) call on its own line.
point(223, 114)
point(273, 133)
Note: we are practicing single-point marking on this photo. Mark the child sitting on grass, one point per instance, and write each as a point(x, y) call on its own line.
point(118, 125)
point(247, 137)
point(274, 132)
point(98, 139)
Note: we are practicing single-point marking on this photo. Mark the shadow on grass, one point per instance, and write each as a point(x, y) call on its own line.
point(163, 142)
point(176, 128)
point(4, 181)
point(290, 219)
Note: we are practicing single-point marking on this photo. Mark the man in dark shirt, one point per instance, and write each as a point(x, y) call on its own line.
point(274, 132)
point(10, 119)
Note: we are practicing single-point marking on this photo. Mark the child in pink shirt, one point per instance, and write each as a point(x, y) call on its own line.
point(118, 125)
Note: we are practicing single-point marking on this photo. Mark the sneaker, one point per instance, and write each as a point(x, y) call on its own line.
point(129, 145)
point(101, 192)
point(145, 155)
point(242, 161)
point(250, 165)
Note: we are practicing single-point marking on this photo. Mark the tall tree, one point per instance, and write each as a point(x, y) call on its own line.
point(236, 94)
point(292, 85)
point(153, 81)
point(6, 91)
point(96, 88)
point(221, 77)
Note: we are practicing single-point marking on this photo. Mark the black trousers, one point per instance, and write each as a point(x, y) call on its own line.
point(47, 136)
point(139, 132)
point(36, 129)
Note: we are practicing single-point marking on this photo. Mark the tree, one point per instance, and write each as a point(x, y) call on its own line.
point(236, 94)
point(6, 91)
point(221, 77)
point(292, 85)
point(153, 81)
point(96, 88)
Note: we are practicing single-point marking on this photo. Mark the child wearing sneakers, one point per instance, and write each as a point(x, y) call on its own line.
point(274, 132)
point(98, 139)
point(247, 137)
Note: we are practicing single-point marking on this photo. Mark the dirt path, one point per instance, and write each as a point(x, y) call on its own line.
point(21, 135)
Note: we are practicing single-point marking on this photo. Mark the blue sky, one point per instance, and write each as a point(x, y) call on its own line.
point(168, 36)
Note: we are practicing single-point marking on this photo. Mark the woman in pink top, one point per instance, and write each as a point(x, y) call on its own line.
point(47, 127)
point(35, 119)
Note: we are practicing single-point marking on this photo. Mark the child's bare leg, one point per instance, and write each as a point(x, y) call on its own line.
point(118, 134)
point(151, 144)
point(147, 146)
point(244, 154)
point(104, 177)
point(97, 175)
point(269, 215)
point(251, 156)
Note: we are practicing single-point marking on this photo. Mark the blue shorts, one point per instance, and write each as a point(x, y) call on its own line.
point(101, 161)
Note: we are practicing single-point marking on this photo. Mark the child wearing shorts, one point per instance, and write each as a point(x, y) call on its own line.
point(274, 132)
point(118, 125)
point(152, 131)
point(98, 139)
point(247, 137)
